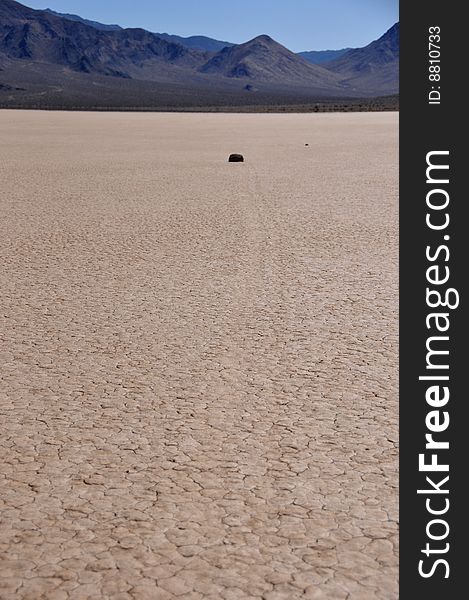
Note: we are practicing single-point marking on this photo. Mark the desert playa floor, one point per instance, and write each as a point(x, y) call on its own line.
point(199, 359)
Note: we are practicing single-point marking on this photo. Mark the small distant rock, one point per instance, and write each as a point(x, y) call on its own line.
point(236, 158)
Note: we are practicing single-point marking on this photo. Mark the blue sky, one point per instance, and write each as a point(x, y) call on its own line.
point(298, 24)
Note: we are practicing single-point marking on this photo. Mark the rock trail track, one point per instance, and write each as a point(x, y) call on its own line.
point(199, 358)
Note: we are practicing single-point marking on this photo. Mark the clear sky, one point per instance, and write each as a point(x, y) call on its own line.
point(297, 24)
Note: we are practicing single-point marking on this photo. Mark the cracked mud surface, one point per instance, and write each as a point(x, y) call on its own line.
point(199, 359)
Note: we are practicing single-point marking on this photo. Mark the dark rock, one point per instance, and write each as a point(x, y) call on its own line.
point(236, 158)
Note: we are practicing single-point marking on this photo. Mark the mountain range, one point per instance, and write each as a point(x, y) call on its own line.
point(50, 59)
point(202, 42)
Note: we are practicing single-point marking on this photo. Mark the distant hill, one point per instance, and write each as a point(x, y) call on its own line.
point(264, 59)
point(78, 19)
point(318, 57)
point(198, 42)
point(374, 67)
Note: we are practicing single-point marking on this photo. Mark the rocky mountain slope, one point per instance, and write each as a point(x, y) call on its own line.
point(374, 67)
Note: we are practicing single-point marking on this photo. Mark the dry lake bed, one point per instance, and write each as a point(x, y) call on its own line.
point(199, 358)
